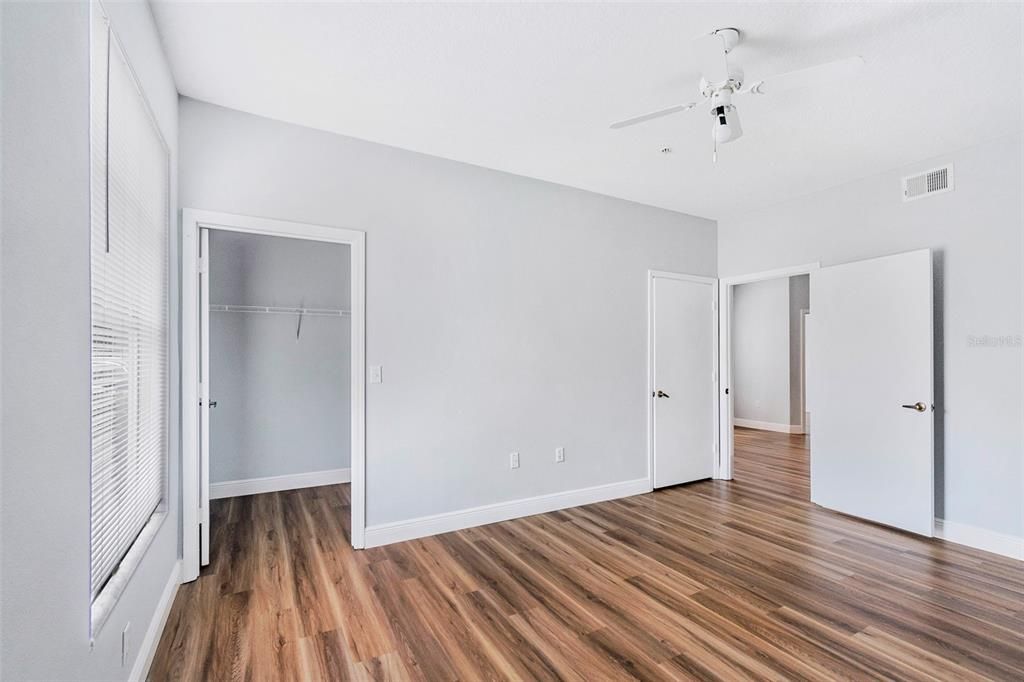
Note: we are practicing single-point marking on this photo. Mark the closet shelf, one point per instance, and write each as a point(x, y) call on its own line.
point(278, 310)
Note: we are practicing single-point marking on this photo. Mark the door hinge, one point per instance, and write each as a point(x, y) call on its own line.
point(203, 265)
point(714, 305)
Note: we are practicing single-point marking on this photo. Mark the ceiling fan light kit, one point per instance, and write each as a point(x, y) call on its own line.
point(726, 127)
point(720, 81)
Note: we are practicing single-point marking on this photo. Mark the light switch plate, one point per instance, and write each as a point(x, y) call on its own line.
point(559, 454)
point(376, 374)
point(513, 460)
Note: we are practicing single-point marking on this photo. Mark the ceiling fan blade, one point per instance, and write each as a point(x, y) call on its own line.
point(822, 74)
point(710, 54)
point(654, 114)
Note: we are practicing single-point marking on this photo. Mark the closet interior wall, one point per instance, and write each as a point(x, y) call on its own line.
point(280, 379)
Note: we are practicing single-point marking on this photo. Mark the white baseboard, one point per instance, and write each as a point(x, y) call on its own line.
point(386, 533)
point(980, 538)
point(147, 648)
point(270, 484)
point(767, 426)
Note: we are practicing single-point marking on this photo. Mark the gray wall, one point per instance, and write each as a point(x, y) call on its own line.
point(283, 404)
point(46, 347)
point(507, 313)
point(799, 299)
point(760, 359)
point(976, 234)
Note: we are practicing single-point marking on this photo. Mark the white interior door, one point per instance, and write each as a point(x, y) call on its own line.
point(204, 396)
point(870, 390)
point(684, 365)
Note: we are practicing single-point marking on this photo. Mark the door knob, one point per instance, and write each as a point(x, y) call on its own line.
point(919, 406)
point(213, 403)
point(662, 394)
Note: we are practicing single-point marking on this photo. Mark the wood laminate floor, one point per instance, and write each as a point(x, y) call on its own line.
point(727, 580)
point(772, 463)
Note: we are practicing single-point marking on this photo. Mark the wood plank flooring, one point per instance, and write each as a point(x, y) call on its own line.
point(772, 463)
point(715, 580)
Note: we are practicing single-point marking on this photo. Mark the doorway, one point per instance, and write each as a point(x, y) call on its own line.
point(726, 406)
point(278, 322)
point(768, 391)
point(272, 245)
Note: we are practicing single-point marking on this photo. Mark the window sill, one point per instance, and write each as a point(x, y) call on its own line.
point(104, 603)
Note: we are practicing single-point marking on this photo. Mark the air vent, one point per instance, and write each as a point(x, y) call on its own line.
point(935, 181)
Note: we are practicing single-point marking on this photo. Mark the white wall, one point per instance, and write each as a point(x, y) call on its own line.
point(46, 346)
point(283, 403)
point(507, 313)
point(976, 234)
point(760, 333)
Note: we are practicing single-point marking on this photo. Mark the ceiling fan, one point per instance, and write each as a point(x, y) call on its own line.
point(720, 81)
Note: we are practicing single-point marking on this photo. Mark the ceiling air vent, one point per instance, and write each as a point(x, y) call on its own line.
point(925, 184)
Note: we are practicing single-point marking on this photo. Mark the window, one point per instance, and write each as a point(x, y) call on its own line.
point(129, 250)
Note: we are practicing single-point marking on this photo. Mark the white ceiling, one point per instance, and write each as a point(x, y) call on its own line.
point(531, 88)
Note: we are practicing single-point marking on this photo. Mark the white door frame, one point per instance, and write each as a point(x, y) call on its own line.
point(651, 276)
point(192, 221)
point(204, 397)
point(725, 416)
point(804, 312)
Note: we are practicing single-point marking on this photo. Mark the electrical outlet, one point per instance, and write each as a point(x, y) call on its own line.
point(513, 460)
point(559, 454)
point(125, 645)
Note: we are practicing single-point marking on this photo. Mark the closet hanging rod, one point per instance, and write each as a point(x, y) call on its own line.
point(278, 310)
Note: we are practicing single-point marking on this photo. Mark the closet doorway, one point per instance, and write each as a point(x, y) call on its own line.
point(272, 363)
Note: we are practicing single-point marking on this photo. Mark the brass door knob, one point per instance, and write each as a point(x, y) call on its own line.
point(919, 406)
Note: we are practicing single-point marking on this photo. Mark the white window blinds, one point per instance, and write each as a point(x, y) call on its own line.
point(129, 309)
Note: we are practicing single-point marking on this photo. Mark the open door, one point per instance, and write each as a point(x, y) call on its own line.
point(870, 390)
point(684, 395)
point(204, 396)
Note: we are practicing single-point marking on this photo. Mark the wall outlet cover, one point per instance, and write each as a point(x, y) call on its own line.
point(559, 454)
point(376, 374)
point(513, 460)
